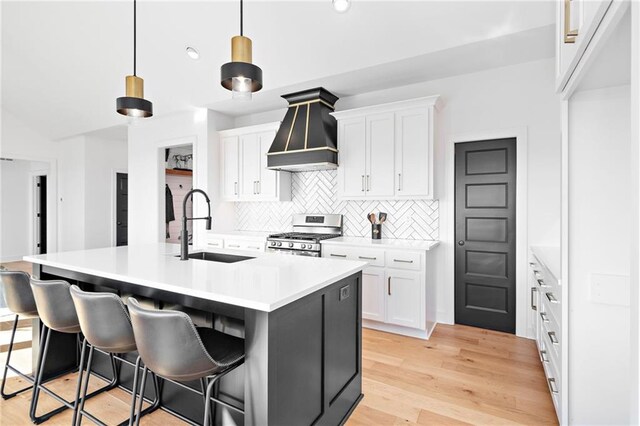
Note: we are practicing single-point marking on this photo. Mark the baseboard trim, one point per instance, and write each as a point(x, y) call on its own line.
point(397, 329)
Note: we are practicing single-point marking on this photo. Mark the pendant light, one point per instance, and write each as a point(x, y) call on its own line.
point(240, 75)
point(134, 104)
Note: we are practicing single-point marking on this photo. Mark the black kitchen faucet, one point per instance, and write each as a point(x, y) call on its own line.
point(184, 234)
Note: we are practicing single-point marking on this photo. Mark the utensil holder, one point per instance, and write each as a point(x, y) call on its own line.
point(376, 231)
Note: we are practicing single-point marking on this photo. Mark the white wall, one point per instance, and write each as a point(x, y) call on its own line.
point(103, 157)
point(504, 98)
point(71, 189)
point(14, 210)
point(19, 141)
point(147, 141)
point(86, 190)
point(599, 242)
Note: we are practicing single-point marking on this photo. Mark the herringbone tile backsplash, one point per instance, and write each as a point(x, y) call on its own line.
point(316, 192)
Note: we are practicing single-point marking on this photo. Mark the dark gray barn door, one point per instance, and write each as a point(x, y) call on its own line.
point(122, 208)
point(485, 268)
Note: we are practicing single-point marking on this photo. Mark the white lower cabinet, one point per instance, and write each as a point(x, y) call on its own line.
point(215, 241)
point(373, 300)
point(405, 298)
point(394, 288)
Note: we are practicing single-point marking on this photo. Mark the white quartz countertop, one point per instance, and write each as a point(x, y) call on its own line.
point(386, 243)
point(240, 235)
point(551, 258)
point(265, 283)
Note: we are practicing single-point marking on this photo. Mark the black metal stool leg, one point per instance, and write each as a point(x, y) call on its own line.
point(7, 367)
point(79, 401)
point(79, 383)
point(142, 387)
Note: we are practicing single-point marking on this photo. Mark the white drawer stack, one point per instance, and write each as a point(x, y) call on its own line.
point(236, 242)
point(547, 308)
point(395, 296)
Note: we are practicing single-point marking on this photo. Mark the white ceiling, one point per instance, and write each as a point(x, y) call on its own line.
point(63, 63)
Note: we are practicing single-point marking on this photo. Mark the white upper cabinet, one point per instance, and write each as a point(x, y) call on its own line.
point(351, 180)
point(414, 157)
point(244, 175)
point(269, 180)
point(250, 165)
point(582, 25)
point(386, 151)
point(379, 155)
point(230, 170)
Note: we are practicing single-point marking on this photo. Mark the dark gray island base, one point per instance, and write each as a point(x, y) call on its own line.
point(303, 360)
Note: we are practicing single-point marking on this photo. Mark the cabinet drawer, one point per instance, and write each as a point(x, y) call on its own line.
point(336, 252)
point(374, 257)
point(244, 245)
point(550, 333)
point(215, 242)
point(403, 260)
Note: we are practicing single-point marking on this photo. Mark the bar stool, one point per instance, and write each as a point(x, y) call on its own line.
point(106, 326)
point(19, 298)
point(57, 312)
point(174, 349)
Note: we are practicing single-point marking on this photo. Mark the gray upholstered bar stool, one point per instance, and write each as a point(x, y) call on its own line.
point(57, 312)
point(19, 298)
point(106, 326)
point(174, 349)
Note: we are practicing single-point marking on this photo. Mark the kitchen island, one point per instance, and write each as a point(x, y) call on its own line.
point(301, 321)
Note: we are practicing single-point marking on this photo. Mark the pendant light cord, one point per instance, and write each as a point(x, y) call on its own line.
point(241, 18)
point(134, 37)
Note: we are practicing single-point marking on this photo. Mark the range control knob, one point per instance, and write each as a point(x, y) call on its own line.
point(273, 243)
point(278, 243)
point(290, 244)
point(304, 246)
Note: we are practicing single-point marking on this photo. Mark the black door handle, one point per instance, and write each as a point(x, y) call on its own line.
point(460, 243)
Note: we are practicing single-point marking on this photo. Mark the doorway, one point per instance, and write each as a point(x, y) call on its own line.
point(122, 209)
point(485, 234)
point(178, 181)
point(40, 214)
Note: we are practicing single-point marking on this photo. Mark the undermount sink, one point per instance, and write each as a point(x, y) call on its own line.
point(217, 257)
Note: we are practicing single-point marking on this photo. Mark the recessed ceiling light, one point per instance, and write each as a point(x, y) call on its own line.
point(341, 6)
point(193, 53)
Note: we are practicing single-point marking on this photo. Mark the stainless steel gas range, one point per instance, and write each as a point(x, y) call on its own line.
point(308, 231)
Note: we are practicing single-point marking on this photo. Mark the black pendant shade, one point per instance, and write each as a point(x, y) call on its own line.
point(134, 107)
point(133, 103)
point(241, 76)
point(241, 69)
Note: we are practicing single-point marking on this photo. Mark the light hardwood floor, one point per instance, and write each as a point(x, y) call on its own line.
point(462, 375)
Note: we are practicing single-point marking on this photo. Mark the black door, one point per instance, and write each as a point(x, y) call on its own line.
point(40, 199)
point(122, 207)
point(485, 283)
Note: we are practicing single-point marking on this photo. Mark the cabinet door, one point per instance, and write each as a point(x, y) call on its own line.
point(249, 166)
point(380, 134)
point(373, 294)
point(413, 162)
point(405, 299)
point(268, 182)
point(230, 167)
point(352, 157)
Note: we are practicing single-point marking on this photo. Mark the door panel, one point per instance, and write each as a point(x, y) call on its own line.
point(250, 169)
point(404, 297)
point(352, 157)
point(230, 167)
point(412, 153)
point(485, 284)
point(268, 178)
point(122, 209)
point(373, 292)
point(380, 151)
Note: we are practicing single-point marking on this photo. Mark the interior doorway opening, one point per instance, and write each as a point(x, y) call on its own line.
point(178, 181)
